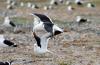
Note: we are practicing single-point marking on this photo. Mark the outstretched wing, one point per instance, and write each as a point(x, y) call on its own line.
point(43, 18)
point(48, 27)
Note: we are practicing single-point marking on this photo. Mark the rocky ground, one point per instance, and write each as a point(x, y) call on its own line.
point(79, 45)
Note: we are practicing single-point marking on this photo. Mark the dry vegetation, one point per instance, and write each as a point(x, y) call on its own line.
point(80, 45)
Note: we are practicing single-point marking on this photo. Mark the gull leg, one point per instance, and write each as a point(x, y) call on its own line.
point(15, 29)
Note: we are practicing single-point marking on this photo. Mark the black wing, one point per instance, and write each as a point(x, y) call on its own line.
point(57, 32)
point(4, 63)
point(79, 3)
point(83, 20)
point(43, 18)
point(7, 63)
point(48, 27)
point(1, 63)
point(9, 43)
point(38, 40)
point(12, 24)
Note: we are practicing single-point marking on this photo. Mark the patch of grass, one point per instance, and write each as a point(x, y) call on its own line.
point(62, 23)
point(20, 20)
point(97, 42)
point(1, 19)
point(97, 2)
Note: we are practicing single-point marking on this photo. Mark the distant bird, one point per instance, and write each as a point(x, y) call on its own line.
point(70, 8)
point(53, 2)
point(90, 5)
point(5, 43)
point(61, 1)
point(45, 8)
point(8, 1)
point(40, 47)
point(5, 63)
point(10, 7)
point(80, 20)
point(9, 23)
point(42, 21)
point(79, 2)
point(14, 3)
point(29, 4)
point(50, 7)
point(22, 4)
point(68, 2)
point(34, 6)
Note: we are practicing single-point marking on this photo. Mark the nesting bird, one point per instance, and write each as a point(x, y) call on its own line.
point(34, 6)
point(79, 2)
point(61, 1)
point(9, 23)
point(10, 7)
point(53, 2)
point(80, 20)
point(9, 2)
point(5, 63)
point(42, 43)
point(4, 42)
point(14, 3)
point(42, 21)
point(29, 4)
point(70, 8)
point(68, 2)
point(21, 4)
point(48, 7)
point(90, 5)
point(45, 8)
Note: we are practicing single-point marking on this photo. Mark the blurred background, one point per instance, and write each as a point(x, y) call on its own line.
point(79, 45)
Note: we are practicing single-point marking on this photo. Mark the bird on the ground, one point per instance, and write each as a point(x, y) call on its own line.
point(80, 19)
point(45, 7)
point(29, 4)
point(79, 2)
point(8, 1)
point(9, 23)
point(4, 42)
point(90, 5)
point(68, 2)
point(61, 1)
point(70, 8)
point(10, 7)
point(40, 47)
point(35, 6)
point(42, 21)
point(5, 63)
point(53, 2)
point(22, 4)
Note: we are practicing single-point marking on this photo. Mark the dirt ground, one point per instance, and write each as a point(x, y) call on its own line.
point(79, 45)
